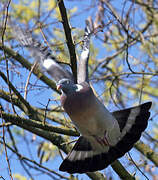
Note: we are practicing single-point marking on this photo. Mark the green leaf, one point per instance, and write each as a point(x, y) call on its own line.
point(19, 177)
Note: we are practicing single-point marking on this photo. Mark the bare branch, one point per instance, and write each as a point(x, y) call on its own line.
point(69, 41)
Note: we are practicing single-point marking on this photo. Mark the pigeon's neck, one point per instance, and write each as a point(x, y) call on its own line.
point(71, 90)
point(78, 99)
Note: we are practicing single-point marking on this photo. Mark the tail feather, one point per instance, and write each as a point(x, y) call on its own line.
point(83, 158)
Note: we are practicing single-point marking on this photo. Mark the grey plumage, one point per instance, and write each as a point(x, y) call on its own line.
point(40, 53)
point(82, 74)
point(91, 159)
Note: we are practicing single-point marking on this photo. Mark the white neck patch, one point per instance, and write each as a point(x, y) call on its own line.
point(79, 87)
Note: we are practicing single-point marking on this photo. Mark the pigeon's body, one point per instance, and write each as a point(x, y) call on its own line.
point(94, 121)
point(104, 136)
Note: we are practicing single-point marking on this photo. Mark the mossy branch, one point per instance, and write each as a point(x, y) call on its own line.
point(147, 152)
point(121, 171)
point(28, 66)
point(41, 113)
point(17, 120)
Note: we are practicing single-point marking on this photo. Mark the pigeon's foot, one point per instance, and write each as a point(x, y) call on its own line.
point(102, 141)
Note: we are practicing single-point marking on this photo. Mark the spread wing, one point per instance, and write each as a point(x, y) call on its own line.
point(84, 157)
point(40, 53)
point(82, 74)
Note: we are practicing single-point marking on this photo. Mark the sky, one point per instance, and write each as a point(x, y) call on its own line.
point(42, 97)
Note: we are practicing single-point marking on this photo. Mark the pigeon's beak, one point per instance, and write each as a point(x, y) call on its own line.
point(58, 87)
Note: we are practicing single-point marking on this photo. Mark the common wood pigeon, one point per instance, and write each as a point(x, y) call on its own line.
point(105, 136)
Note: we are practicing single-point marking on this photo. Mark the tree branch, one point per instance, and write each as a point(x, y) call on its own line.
point(32, 161)
point(41, 113)
point(69, 41)
point(28, 66)
point(121, 171)
point(147, 152)
point(17, 120)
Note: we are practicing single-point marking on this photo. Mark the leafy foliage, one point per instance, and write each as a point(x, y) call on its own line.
point(123, 70)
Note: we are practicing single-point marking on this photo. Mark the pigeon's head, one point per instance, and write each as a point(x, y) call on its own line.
point(68, 87)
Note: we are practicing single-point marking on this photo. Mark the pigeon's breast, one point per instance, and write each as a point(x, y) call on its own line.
point(87, 113)
point(78, 103)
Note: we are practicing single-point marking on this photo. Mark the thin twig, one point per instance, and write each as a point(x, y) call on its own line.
point(2, 177)
point(3, 33)
point(6, 59)
point(28, 79)
point(28, 66)
point(5, 149)
point(45, 113)
point(141, 89)
point(6, 124)
point(129, 66)
point(34, 162)
point(137, 166)
point(16, 149)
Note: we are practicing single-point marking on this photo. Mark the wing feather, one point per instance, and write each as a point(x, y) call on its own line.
point(40, 53)
point(82, 74)
point(85, 158)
